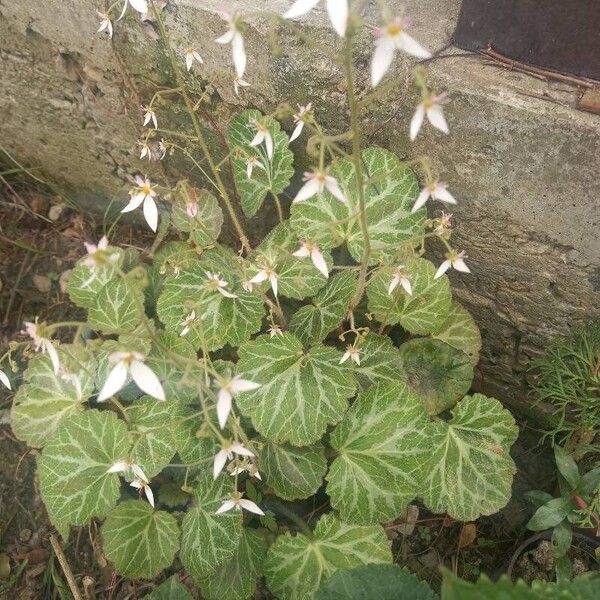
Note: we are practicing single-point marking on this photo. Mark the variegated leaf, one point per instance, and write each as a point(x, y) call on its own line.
point(139, 540)
point(296, 565)
point(460, 330)
point(380, 361)
point(381, 445)
point(301, 392)
point(469, 472)
point(205, 226)
point(118, 307)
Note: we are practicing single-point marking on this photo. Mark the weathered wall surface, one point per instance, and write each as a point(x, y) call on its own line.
point(522, 160)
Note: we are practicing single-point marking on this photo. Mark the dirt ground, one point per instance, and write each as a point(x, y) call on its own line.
point(40, 239)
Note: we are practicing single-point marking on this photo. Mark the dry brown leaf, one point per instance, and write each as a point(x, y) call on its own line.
point(468, 533)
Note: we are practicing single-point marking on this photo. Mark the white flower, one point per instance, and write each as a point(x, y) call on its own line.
point(122, 466)
point(252, 162)
point(5, 380)
point(400, 278)
point(432, 108)
point(236, 501)
point(238, 82)
point(187, 323)
point(262, 135)
point(162, 148)
point(391, 37)
point(131, 363)
point(299, 119)
point(97, 257)
point(149, 115)
point(234, 37)
point(227, 391)
point(144, 192)
point(315, 183)
point(435, 191)
point(226, 453)
point(248, 286)
point(145, 152)
point(263, 275)
point(106, 24)
point(192, 55)
point(42, 344)
point(275, 331)
point(454, 260)
point(444, 223)
point(140, 5)
point(191, 208)
point(216, 283)
point(353, 353)
point(143, 486)
point(249, 468)
point(312, 250)
point(337, 10)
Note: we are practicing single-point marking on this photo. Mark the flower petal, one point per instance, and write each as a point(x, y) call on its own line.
point(319, 261)
point(151, 213)
point(258, 138)
point(442, 193)
point(227, 505)
point(421, 199)
point(416, 122)
point(134, 202)
point(411, 46)
point(273, 280)
point(238, 385)
point(345, 357)
point(297, 131)
point(137, 471)
point(53, 355)
point(118, 467)
point(443, 268)
point(149, 495)
point(269, 145)
point(308, 190)
point(338, 15)
point(435, 115)
point(382, 59)
point(114, 382)
point(5, 380)
point(223, 407)
point(334, 189)
point(460, 265)
point(189, 61)
point(250, 506)
point(302, 252)
point(259, 277)
point(239, 54)
point(225, 293)
point(299, 8)
point(219, 463)
point(241, 449)
point(393, 284)
point(226, 38)
point(405, 283)
point(146, 380)
point(140, 5)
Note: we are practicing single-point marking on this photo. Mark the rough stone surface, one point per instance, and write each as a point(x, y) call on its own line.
point(523, 161)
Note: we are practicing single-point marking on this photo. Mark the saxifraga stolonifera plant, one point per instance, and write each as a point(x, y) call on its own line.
point(223, 386)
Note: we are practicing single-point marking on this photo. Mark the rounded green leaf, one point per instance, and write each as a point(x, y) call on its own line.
point(469, 472)
point(380, 361)
point(277, 171)
point(171, 589)
point(550, 514)
point(460, 331)
point(205, 226)
point(296, 565)
point(390, 192)
point(152, 439)
point(439, 373)
point(209, 540)
point(219, 320)
point(139, 540)
point(236, 579)
point(46, 400)
point(293, 472)
point(311, 323)
point(117, 307)
point(422, 312)
point(375, 582)
point(74, 482)
point(300, 393)
point(381, 445)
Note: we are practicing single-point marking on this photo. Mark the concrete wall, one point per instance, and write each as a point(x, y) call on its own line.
point(522, 160)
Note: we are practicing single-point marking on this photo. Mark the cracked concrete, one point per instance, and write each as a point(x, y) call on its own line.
point(522, 160)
